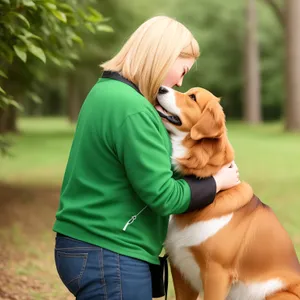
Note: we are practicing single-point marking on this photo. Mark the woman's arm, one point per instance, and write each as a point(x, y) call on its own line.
point(140, 148)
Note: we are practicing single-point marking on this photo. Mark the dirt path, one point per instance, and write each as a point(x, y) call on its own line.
point(27, 268)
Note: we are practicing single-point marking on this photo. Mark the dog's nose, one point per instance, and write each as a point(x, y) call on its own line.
point(162, 90)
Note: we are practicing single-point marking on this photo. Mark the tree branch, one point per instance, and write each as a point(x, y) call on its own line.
point(279, 12)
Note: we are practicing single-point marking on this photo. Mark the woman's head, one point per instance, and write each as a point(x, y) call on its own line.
point(159, 52)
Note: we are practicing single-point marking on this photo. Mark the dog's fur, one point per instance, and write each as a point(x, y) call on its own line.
point(235, 248)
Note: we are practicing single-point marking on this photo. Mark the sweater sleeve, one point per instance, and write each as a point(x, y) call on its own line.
point(140, 148)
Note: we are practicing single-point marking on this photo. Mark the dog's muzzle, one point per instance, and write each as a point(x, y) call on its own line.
point(168, 116)
point(172, 119)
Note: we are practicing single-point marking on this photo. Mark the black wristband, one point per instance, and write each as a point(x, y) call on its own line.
point(203, 192)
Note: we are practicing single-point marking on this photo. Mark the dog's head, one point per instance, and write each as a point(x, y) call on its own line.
point(197, 115)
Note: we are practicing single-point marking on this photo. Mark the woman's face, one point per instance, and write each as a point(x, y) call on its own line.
point(178, 70)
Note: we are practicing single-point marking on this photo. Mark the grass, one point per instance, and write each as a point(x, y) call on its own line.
point(268, 159)
point(39, 154)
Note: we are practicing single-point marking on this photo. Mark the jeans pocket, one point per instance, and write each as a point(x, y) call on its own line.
point(70, 267)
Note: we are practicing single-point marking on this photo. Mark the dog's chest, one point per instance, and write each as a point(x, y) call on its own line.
point(180, 239)
point(178, 150)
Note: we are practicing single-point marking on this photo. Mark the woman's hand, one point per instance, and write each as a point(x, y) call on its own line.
point(227, 177)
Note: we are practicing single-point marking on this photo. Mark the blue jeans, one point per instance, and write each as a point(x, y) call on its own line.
point(91, 272)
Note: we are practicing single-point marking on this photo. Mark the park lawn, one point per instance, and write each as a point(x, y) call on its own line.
point(268, 159)
point(39, 152)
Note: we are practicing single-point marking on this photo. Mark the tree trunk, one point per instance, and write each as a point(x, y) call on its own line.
point(8, 114)
point(252, 105)
point(11, 122)
point(8, 119)
point(292, 103)
point(74, 101)
point(2, 122)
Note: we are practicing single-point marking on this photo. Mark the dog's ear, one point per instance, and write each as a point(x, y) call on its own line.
point(211, 123)
point(197, 158)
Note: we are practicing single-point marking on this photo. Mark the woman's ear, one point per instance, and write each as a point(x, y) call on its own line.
point(211, 123)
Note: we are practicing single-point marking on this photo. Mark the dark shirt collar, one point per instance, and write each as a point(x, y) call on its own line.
point(119, 77)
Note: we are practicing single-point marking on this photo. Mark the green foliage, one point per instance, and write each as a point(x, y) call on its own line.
point(48, 30)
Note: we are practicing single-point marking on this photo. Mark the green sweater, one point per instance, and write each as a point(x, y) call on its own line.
point(118, 189)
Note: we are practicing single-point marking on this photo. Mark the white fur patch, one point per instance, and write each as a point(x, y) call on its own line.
point(196, 233)
point(178, 150)
point(254, 291)
point(168, 102)
point(178, 240)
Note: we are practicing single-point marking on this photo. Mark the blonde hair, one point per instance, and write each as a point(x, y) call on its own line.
point(151, 51)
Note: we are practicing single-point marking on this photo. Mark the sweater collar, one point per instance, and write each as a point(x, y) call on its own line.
point(119, 77)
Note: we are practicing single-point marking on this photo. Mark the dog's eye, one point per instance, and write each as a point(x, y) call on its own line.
point(193, 97)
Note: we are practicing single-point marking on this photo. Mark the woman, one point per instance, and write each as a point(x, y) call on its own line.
point(119, 189)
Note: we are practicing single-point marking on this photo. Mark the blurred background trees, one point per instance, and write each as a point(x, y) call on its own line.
point(51, 50)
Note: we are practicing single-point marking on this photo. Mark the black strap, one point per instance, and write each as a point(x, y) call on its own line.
point(166, 271)
point(159, 278)
point(119, 77)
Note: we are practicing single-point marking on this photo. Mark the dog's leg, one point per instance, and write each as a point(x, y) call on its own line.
point(183, 290)
point(292, 293)
point(283, 296)
point(215, 283)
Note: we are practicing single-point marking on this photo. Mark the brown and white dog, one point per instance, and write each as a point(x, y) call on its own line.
point(235, 248)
